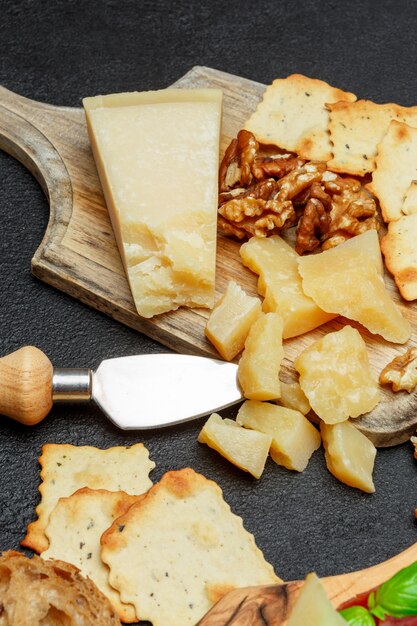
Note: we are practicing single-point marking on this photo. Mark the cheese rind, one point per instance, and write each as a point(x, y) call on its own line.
point(157, 157)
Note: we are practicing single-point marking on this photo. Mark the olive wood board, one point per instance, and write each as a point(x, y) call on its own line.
point(79, 256)
point(271, 605)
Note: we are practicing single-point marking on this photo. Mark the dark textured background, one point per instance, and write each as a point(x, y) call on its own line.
point(59, 52)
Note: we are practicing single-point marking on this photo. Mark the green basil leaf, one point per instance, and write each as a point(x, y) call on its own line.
point(398, 596)
point(378, 611)
point(371, 600)
point(357, 616)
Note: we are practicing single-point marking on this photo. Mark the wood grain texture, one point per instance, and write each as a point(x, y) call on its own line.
point(26, 385)
point(271, 605)
point(78, 253)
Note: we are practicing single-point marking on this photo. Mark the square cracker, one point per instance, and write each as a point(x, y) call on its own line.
point(67, 468)
point(400, 252)
point(356, 129)
point(74, 529)
point(293, 116)
point(180, 549)
point(396, 168)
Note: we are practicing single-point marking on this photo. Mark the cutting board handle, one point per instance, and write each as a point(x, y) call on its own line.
point(25, 142)
point(26, 385)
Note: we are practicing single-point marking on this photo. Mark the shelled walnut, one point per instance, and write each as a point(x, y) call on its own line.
point(255, 216)
point(401, 372)
point(353, 211)
point(261, 194)
point(243, 163)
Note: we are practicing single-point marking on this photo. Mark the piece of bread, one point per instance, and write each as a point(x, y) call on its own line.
point(293, 116)
point(74, 530)
point(179, 550)
point(34, 592)
point(67, 468)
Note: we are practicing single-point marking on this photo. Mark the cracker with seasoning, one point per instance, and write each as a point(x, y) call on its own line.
point(180, 549)
point(356, 129)
point(67, 468)
point(293, 116)
point(396, 169)
point(74, 530)
point(399, 249)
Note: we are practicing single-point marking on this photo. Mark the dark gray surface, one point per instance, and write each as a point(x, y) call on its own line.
point(59, 52)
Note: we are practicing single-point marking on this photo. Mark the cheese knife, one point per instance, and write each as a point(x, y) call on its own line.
point(134, 392)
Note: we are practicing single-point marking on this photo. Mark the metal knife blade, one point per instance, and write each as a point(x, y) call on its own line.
point(154, 390)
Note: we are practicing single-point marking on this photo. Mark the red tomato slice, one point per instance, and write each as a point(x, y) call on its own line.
point(360, 600)
point(411, 620)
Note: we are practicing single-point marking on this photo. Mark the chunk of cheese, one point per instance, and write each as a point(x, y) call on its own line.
point(294, 438)
point(275, 262)
point(157, 157)
point(313, 607)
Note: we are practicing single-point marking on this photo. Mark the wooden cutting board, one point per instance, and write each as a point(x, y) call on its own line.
point(78, 253)
point(271, 605)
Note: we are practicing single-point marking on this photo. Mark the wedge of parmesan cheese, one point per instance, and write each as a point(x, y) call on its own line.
point(157, 157)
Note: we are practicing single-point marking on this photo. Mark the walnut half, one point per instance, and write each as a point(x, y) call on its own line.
point(353, 210)
point(401, 372)
point(255, 217)
point(337, 209)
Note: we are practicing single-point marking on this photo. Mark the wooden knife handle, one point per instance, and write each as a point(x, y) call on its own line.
point(26, 385)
